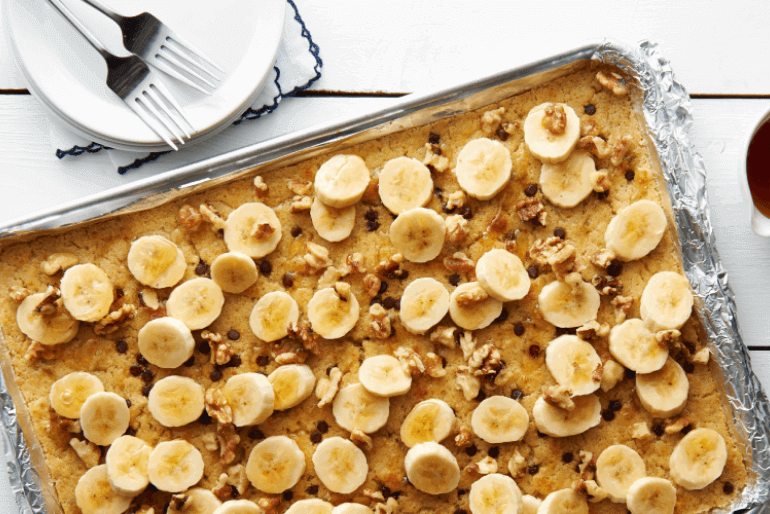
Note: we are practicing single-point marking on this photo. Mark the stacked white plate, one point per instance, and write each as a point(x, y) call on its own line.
point(68, 76)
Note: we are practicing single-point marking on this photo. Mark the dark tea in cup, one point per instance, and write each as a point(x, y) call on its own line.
point(758, 168)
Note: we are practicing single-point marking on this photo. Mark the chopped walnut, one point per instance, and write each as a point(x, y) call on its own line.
point(459, 263)
point(329, 277)
point(356, 263)
point(303, 334)
point(70, 425)
point(613, 374)
point(531, 209)
point(462, 436)
point(591, 489)
point(485, 360)
point(606, 286)
point(300, 187)
point(434, 158)
point(37, 351)
point(299, 265)
point(666, 338)
point(614, 83)
point(228, 442)
point(222, 489)
point(283, 355)
point(589, 128)
point(490, 120)
point(499, 222)
point(179, 503)
point(88, 452)
point(317, 257)
point(678, 425)
point(587, 465)
point(701, 356)
point(434, 366)
point(375, 495)
point(189, 217)
point(262, 231)
point(209, 214)
point(237, 478)
point(641, 431)
point(372, 284)
point(485, 466)
point(58, 262)
point(389, 507)
point(558, 396)
point(603, 258)
point(269, 505)
point(517, 464)
point(554, 252)
point(327, 388)
point(390, 264)
point(619, 150)
point(146, 509)
point(471, 296)
point(18, 293)
point(468, 383)
point(510, 127)
point(555, 119)
point(361, 439)
point(260, 187)
point(456, 228)
point(221, 351)
point(595, 145)
point(380, 323)
point(467, 344)
point(217, 407)
point(596, 374)
point(149, 298)
point(592, 330)
point(444, 336)
point(50, 303)
point(300, 204)
point(112, 321)
point(210, 441)
point(342, 290)
point(410, 361)
point(601, 181)
point(456, 200)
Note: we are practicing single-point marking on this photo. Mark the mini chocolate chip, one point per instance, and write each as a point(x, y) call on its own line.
point(256, 433)
point(204, 347)
point(263, 360)
point(466, 213)
point(189, 363)
point(265, 268)
point(518, 329)
point(141, 360)
point(615, 405)
point(481, 396)
point(374, 300)
point(501, 134)
point(371, 215)
point(386, 492)
point(630, 374)
point(233, 335)
point(383, 287)
point(296, 231)
point(315, 437)
point(494, 452)
point(533, 272)
point(128, 402)
point(288, 495)
point(461, 511)
point(461, 492)
point(540, 434)
point(689, 367)
point(577, 470)
point(146, 389)
point(389, 302)
point(566, 458)
point(322, 426)
point(534, 350)
point(533, 469)
point(471, 450)
point(147, 376)
point(448, 210)
point(288, 280)
point(215, 375)
point(517, 394)
point(531, 190)
point(686, 430)
point(690, 347)
point(590, 109)
point(234, 362)
point(438, 191)
point(601, 195)
point(371, 226)
point(562, 331)
point(313, 489)
point(559, 232)
point(131, 431)
point(630, 175)
point(135, 370)
point(608, 415)
point(202, 269)
point(502, 317)
point(234, 492)
point(614, 269)
point(402, 274)
point(728, 488)
point(454, 280)
point(658, 430)
point(205, 419)
point(121, 346)
point(434, 139)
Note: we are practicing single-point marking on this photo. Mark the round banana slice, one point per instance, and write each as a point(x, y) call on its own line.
point(156, 262)
point(104, 417)
point(471, 307)
point(292, 384)
point(502, 275)
point(352, 508)
point(564, 501)
point(558, 422)
point(234, 272)
point(432, 468)
point(355, 408)
point(531, 504)
point(566, 306)
point(198, 501)
point(424, 303)
point(636, 348)
point(93, 494)
point(252, 229)
point(405, 184)
point(666, 302)
point(544, 144)
point(574, 364)
point(635, 230)
point(166, 342)
point(87, 292)
point(483, 168)
point(332, 224)
point(174, 466)
point(59, 327)
point(176, 401)
point(499, 419)
point(569, 182)
point(126, 463)
point(618, 467)
point(495, 494)
point(383, 375)
point(310, 507)
point(70, 392)
point(275, 465)
point(332, 315)
point(272, 316)
point(251, 397)
point(197, 303)
point(418, 234)
point(342, 181)
point(238, 507)
point(698, 459)
point(429, 420)
point(340, 465)
point(664, 392)
point(650, 495)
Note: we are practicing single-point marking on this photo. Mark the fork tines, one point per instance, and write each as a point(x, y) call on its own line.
point(158, 109)
point(183, 61)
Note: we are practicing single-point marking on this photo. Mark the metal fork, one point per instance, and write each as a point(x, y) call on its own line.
point(152, 40)
point(138, 85)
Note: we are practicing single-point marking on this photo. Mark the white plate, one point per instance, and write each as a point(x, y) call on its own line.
point(68, 76)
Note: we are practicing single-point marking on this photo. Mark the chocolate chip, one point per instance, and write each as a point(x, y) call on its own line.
point(540, 434)
point(689, 367)
point(233, 335)
point(630, 175)
point(147, 376)
point(562, 331)
point(517, 394)
point(494, 452)
point(466, 213)
point(135, 370)
point(146, 389)
point(141, 360)
point(313, 489)
point(265, 268)
point(686, 430)
point(434, 139)
point(121, 346)
point(615, 268)
point(630, 374)
point(577, 470)
point(533, 469)
point(215, 375)
point(728, 488)
point(234, 362)
point(316, 437)
point(481, 396)
point(559, 232)
point(322, 426)
point(534, 350)
point(615, 405)
point(374, 300)
point(383, 287)
point(263, 360)
point(288, 280)
point(371, 226)
point(531, 190)
point(518, 329)
point(454, 280)
point(128, 402)
point(608, 415)
point(131, 431)
point(601, 195)
point(256, 433)
point(234, 492)
point(202, 269)
point(471, 450)
point(533, 272)
point(204, 347)
point(386, 492)
point(590, 109)
point(502, 317)
point(658, 430)
point(389, 302)
point(189, 363)
point(690, 347)
point(501, 134)
point(296, 231)
point(461, 492)
point(205, 419)
point(371, 215)
point(566, 458)
point(461, 511)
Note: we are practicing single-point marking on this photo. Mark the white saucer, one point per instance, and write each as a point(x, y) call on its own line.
point(68, 76)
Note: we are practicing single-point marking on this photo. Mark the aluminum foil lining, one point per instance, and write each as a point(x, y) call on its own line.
point(667, 111)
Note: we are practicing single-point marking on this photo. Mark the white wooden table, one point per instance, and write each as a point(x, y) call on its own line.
point(373, 51)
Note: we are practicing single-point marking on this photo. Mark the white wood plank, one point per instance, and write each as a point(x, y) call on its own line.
point(760, 363)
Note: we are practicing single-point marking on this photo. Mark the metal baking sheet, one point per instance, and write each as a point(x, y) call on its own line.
point(666, 109)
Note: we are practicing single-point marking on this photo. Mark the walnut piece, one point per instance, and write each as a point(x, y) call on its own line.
point(262, 231)
point(228, 442)
point(317, 257)
point(592, 330)
point(112, 321)
point(372, 284)
point(517, 464)
point(467, 344)
point(356, 263)
point(485, 466)
point(471, 296)
point(444, 336)
point(666, 338)
point(462, 436)
point(70, 425)
point(456, 200)
point(587, 465)
point(510, 127)
point(614, 83)
point(327, 388)
point(189, 217)
point(51, 302)
point(37, 351)
point(179, 503)
point(342, 290)
point(556, 253)
point(434, 158)
point(531, 209)
point(149, 298)
point(286, 355)
point(237, 478)
point(221, 351)
point(300, 204)
point(88, 452)
point(622, 306)
point(434, 366)
point(58, 262)
point(269, 505)
point(212, 216)
point(210, 441)
point(468, 383)
point(606, 286)
point(613, 374)
point(589, 128)
point(260, 187)
point(619, 150)
point(678, 425)
point(410, 361)
point(390, 264)
point(558, 396)
point(485, 360)
point(222, 489)
point(380, 323)
point(303, 334)
point(373, 494)
point(217, 407)
point(459, 263)
point(591, 489)
point(456, 228)
point(601, 181)
point(498, 223)
point(594, 145)
point(389, 507)
point(300, 187)
point(641, 431)
point(18, 293)
point(361, 439)
point(701, 356)
point(555, 119)
point(490, 120)
point(603, 258)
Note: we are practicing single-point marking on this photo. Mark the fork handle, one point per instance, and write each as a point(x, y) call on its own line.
point(96, 4)
point(75, 22)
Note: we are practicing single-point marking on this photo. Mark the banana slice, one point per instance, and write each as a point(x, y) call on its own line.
point(569, 182)
point(531, 504)
point(342, 180)
point(499, 419)
point(502, 275)
point(698, 459)
point(352, 508)
point(70, 392)
point(156, 262)
point(176, 401)
point(355, 408)
point(545, 145)
point(292, 384)
point(331, 223)
point(198, 501)
point(664, 392)
point(340, 465)
point(174, 466)
point(166, 342)
point(618, 467)
point(310, 507)
point(567, 306)
point(495, 494)
point(636, 348)
point(93, 494)
point(275, 465)
point(558, 422)
point(238, 507)
point(272, 316)
point(564, 501)
point(332, 315)
point(126, 463)
point(59, 327)
point(87, 292)
point(666, 301)
point(234, 272)
point(470, 309)
point(251, 397)
point(635, 230)
point(383, 375)
point(432, 468)
point(405, 184)
point(574, 364)
point(418, 234)
point(430, 420)
point(483, 168)
point(197, 303)
point(424, 303)
point(252, 229)
point(650, 495)
point(104, 417)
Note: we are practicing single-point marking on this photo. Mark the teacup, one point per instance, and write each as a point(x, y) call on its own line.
point(756, 188)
